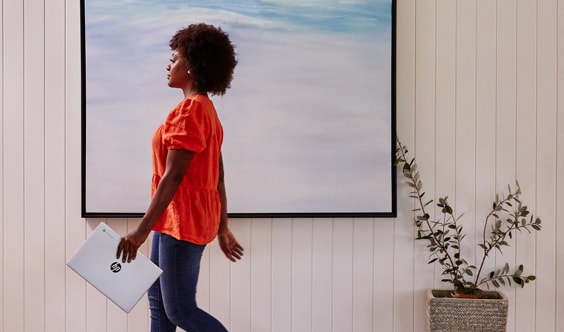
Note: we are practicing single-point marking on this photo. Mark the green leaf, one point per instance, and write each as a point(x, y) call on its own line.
point(423, 217)
point(518, 280)
point(517, 274)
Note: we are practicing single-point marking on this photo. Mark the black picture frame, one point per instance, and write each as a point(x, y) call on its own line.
point(115, 74)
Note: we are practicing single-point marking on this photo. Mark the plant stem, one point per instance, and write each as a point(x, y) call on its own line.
point(486, 250)
point(497, 237)
point(424, 215)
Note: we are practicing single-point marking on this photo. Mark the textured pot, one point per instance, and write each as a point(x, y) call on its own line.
point(448, 314)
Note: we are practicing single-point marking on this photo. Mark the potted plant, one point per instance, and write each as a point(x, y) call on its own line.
point(445, 235)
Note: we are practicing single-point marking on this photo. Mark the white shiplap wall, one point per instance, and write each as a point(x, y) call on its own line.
point(479, 87)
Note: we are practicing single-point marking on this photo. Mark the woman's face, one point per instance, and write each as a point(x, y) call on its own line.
point(178, 72)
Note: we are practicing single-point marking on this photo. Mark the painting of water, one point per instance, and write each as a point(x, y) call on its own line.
point(308, 121)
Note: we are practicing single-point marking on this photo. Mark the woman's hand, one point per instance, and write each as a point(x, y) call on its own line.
point(128, 246)
point(229, 245)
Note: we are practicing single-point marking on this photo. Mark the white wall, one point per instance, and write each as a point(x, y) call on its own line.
point(479, 93)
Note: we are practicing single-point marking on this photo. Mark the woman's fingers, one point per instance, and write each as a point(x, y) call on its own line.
point(126, 250)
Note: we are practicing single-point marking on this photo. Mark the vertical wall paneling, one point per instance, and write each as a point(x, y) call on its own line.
point(426, 130)
point(446, 110)
point(2, 174)
point(465, 122)
point(259, 251)
point(220, 286)
point(363, 291)
point(240, 286)
point(301, 274)
point(445, 126)
point(486, 89)
point(425, 81)
point(505, 120)
point(506, 92)
point(559, 247)
point(34, 166)
point(401, 244)
point(13, 166)
point(96, 310)
point(54, 166)
point(342, 275)
point(526, 129)
point(546, 162)
point(75, 228)
point(405, 70)
point(382, 274)
point(322, 275)
point(281, 275)
point(403, 268)
point(547, 108)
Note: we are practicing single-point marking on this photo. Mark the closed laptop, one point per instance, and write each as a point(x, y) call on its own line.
point(122, 283)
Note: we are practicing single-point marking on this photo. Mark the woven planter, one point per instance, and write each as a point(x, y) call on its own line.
point(447, 314)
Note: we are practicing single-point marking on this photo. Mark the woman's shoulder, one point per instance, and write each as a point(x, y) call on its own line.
point(184, 108)
point(194, 103)
point(196, 108)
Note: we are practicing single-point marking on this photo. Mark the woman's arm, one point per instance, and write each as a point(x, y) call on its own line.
point(176, 163)
point(227, 242)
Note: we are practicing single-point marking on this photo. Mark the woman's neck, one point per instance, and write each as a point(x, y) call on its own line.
point(189, 92)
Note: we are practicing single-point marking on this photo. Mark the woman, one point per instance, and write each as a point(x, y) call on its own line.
point(188, 206)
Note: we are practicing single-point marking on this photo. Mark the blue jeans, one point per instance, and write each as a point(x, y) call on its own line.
point(172, 298)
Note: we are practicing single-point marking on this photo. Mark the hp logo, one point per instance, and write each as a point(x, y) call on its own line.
point(115, 267)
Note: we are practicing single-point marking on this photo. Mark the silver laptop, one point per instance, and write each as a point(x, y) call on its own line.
point(123, 283)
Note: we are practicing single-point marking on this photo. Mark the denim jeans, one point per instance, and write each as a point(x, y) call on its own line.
point(172, 298)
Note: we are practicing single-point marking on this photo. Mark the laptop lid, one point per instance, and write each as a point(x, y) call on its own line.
point(122, 283)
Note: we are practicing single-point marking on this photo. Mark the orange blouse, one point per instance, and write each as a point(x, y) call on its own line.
point(193, 214)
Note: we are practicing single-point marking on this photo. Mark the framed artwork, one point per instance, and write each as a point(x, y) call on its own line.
point(309, 121)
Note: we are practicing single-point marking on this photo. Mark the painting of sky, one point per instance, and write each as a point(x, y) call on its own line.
point(307, 120)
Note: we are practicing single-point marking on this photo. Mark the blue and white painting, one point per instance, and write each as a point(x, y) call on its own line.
point(307, 121)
